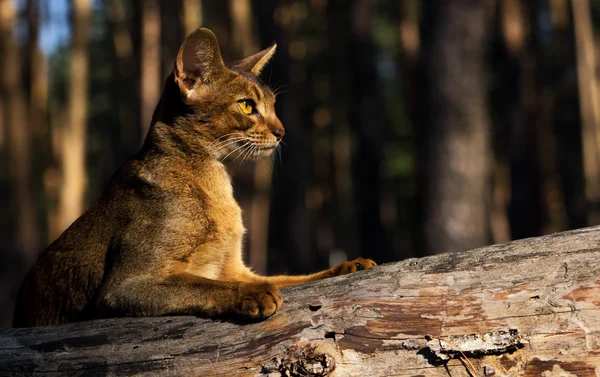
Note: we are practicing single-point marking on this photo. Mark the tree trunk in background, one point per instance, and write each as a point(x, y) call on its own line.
point(509, 38)
point(520, 113)
point(124, 87)
point(191, 15)
point(567, 116)
point(366, 121)
point(457, 133)
point(553, 203)
point(313, 49)
point(242, 32)
point(150, 58)
point(407, 229)
point(217, 17)
point(512, 28)
point(334, 88)
point(537, 203)
point(72, 195)
point(37, 77)
point(253, 182)
point(171, 36)
point(319, 50)
point(19, 228)
point(258, 236)
point(38, 74)
point(291, 245)
point(26, 234)
point(589, 101)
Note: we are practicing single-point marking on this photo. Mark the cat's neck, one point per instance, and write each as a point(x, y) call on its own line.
point(170, 134)
point(176, 142)
point(165, 149)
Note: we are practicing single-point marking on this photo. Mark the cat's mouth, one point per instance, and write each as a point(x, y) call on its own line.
point(251, 149)
point(263, 149)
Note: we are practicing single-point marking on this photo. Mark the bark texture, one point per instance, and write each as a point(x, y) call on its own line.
point(456, 136)
point(526, 308)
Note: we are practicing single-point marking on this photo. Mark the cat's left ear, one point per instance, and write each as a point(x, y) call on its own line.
point(198, 61)
point(255, 63)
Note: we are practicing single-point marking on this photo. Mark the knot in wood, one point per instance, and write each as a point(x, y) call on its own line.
point(305, 361)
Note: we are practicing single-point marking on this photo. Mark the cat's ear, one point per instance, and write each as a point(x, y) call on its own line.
point(255, 63)
point(199, 60)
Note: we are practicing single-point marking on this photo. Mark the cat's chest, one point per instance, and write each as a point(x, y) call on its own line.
point(219, 203)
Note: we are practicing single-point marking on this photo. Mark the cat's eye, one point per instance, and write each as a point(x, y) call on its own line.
point(247, 106)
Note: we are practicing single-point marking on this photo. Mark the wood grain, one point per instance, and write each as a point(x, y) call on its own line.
point(526, 308)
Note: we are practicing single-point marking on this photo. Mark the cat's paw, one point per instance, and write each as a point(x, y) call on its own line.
point(357, 264)
point(258, 300)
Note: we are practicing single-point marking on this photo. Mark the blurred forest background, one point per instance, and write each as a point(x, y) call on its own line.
point(413, 127)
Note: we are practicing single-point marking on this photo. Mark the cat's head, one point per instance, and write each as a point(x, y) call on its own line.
point(227, 106)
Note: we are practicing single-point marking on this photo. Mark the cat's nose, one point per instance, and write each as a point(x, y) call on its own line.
point(278, 132)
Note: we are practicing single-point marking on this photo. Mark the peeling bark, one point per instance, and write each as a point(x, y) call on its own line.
point(526, 308)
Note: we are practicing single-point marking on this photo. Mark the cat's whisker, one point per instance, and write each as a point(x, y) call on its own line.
point(245, 148)
point(220, 142)
point(246, 155)
point(273, 158)
point(279, 90)
point(250, 152)
point(280, 157)
point(221, 137)
point(254, 153)
point(238, 148)
point(221, 146)
point(226, 144)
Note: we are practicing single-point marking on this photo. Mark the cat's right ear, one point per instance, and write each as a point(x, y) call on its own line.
point(198, 61)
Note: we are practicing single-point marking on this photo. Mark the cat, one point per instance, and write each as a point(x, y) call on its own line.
point(165, 238)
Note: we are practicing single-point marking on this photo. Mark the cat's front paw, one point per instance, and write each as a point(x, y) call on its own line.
point(258, 300)
point(357, 264)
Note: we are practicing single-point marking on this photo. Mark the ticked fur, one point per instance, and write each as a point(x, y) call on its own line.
point(166, 235)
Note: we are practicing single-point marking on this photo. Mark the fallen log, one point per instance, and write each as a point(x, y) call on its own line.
point(526, 308)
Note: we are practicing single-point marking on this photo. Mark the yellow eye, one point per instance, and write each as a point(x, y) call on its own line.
point(246, 107)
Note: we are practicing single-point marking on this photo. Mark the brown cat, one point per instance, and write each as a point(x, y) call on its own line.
point(166, 236)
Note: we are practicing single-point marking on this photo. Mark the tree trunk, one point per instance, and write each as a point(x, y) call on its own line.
point(524, 308)
point(150, 84)
point(38, 83)
point(457, 133)
point(366, 120)
point(253, 182)
point(26, 235)
point(589, 102)
point(171, 36)
point(72, 195)
point(191, 15)
point(18, 225)
point(291, 239)
point(123, 70)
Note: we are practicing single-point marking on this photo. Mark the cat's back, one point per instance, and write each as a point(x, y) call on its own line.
point(61, 285)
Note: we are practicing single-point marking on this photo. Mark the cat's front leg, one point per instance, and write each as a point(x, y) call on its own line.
point(348, 267)
point(257, 300)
